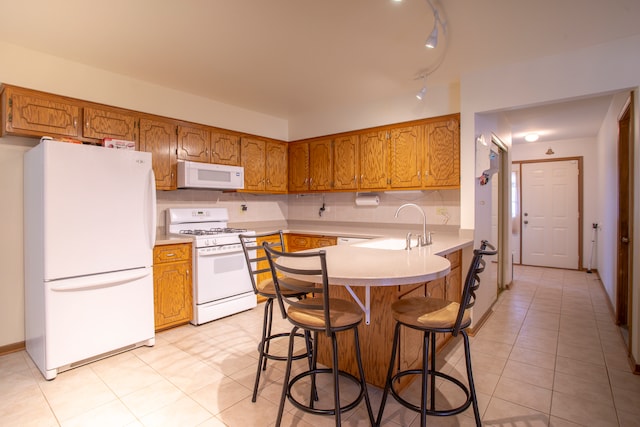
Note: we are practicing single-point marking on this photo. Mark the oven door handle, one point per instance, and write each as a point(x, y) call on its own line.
point(205, 253)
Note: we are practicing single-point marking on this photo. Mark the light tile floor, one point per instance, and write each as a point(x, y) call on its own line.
point(549, 355)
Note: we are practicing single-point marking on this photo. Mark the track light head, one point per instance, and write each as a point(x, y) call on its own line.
point(420, 95)
point(432, 40)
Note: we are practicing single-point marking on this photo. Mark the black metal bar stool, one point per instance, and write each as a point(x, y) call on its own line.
point(264, 287)
point(431, 316)
point(320, 314)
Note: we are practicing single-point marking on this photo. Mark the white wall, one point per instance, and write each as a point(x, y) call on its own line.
point(586, 148)
point(607, 186)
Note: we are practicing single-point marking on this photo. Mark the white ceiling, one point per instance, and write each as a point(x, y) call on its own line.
point(283, 57)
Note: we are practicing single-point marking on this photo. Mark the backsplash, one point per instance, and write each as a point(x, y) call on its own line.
point(442, 207)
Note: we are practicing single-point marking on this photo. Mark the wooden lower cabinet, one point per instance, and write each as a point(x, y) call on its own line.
point(376, 339)
point(172, 288)
point(300, 242)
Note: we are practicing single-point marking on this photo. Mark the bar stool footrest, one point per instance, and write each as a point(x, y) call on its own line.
point(434, 412)
point(277, 356)
point(309, 407)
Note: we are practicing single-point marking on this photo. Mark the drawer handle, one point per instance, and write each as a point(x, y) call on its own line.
point(170, 255)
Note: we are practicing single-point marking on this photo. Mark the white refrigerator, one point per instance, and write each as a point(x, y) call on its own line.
point(89, 232)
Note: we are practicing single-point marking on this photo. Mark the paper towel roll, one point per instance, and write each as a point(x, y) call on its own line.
point(367, 200)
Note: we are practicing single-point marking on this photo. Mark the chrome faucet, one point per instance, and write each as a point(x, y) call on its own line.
point(425, 238)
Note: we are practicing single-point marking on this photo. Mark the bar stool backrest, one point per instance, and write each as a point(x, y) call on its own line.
point(254, 253)
point(313, 269)
point(472, 282)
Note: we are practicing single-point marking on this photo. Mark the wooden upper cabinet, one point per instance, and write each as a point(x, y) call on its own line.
point(298, 166)
point(40, 114)
point(159, 138)
point(225, 149)
point(345, 163)
point(442, 154)
point(253, 159)
point(406, 157)
point(194, 144)
point(374, 160)
point(321, 165)
point(102, 123)
point(276, 167)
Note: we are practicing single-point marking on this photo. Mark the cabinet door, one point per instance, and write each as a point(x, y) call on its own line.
point(193, 144)
point(345, 166)
point(442, 154)
point(374, 161)
point(172, 294)
point(437, 289)
point(406, 157)
point(410, 351)
point(104, 123)
point(276, 167)
point(253, 159)
point(225, 149)
point(159, 138)
point(320, 165)
point(454, 278)
point(299, 166)
point(39, 114)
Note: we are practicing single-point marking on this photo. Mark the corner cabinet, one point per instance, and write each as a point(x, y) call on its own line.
point(172, 289)
point(299, 242)
point(265, 165)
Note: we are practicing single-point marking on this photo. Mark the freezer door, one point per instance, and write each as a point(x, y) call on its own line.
point(99, 210)
point(88, 316)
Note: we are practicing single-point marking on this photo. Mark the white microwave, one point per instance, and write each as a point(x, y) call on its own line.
point(208, 175)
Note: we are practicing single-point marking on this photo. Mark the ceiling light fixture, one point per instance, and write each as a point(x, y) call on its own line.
point(531, 137)
point(439, 24)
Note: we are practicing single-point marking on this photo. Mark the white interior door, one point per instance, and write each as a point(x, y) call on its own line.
point(514, 213)
point(550, 214)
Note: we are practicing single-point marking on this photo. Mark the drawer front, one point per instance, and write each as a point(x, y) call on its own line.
point(172, 253)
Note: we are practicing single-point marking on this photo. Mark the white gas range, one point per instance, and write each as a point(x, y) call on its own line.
point(221, 282)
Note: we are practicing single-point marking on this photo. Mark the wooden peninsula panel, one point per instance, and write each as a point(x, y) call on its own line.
point(376, 338)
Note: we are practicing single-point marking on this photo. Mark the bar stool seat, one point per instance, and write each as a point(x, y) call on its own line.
point(432, 316)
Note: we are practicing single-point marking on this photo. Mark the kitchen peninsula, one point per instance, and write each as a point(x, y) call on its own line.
point(377, 272)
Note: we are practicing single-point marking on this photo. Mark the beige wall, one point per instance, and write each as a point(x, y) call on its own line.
point(11, 264)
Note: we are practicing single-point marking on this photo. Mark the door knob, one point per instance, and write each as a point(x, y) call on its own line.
point(624, 240)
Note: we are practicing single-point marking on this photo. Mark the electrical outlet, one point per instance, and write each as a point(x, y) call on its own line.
point(442, 211)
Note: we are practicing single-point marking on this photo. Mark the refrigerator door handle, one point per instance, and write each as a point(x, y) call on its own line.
point(151, 208)
point(100, 281)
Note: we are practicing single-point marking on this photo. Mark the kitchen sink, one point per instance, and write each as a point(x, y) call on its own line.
point(387, 243)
